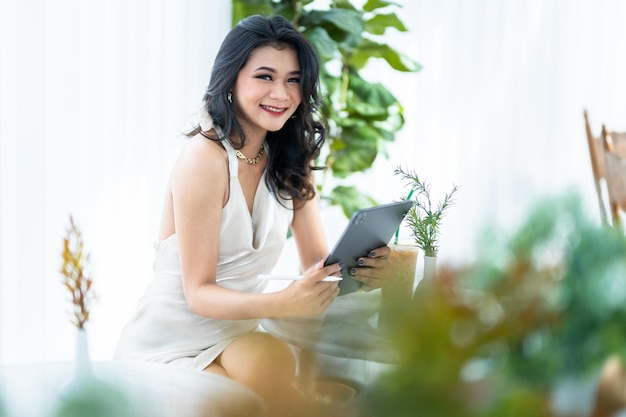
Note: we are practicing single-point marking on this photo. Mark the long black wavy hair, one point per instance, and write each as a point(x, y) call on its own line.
point(293, 148)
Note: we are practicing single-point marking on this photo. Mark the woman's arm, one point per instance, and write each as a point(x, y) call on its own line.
point(308, 232)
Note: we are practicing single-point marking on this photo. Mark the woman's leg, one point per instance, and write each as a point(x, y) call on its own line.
point(267, 366)
point(214, 368)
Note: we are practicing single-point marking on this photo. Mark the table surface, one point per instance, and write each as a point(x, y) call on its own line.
point(347, 329)
point(148, 389)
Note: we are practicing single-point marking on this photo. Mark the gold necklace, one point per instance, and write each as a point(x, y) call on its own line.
point(249, 161)
point(240, 155)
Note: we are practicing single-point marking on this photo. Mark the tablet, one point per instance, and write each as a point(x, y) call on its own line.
point(368, 229)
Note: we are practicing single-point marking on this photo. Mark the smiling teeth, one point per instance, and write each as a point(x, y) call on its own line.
point(274, 109)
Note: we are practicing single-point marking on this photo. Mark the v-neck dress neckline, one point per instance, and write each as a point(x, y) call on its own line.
point(235, 185)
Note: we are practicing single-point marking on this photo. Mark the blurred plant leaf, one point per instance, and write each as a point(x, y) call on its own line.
point(350, 199)
point(372, 5)
point(379, 24)
point(370, 49)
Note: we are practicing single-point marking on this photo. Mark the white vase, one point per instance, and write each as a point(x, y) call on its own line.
point(82, 361)
point(430, 268)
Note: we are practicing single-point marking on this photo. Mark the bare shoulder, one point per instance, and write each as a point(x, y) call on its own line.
point(201, 162)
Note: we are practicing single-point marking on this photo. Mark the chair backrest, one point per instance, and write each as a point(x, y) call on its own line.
point(615, 141)
point(596, 155)
point(607, 180)
point(615, 173)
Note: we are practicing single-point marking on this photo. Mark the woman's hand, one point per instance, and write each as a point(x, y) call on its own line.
point(310, 295)
point(373, 270)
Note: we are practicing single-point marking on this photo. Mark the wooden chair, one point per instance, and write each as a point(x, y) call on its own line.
point(596, 154)
point(615, 144)
point(615, 173)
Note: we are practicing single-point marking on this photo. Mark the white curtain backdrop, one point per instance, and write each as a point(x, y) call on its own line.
point(498, 106)
point(94, 95)
point(93, 98)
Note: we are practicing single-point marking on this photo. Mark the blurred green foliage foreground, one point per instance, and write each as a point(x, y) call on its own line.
point(542, 305)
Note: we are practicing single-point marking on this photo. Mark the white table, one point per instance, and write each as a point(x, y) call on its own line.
point(35, 390)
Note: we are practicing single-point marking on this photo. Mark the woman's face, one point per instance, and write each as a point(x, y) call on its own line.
point(267, 90)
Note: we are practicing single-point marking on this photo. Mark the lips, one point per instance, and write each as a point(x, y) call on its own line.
point(274, 109)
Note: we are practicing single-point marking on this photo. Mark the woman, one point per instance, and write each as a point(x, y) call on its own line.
point(243, 179)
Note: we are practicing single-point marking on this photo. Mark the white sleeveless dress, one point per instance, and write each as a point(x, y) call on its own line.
point(163, 327)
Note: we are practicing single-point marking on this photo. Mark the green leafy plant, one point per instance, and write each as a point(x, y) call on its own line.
point(77, 282)
point(540, 304)
point(361, 116)
point(423, 219)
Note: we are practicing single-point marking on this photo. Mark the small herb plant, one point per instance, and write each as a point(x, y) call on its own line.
point(74, 277)
point(423, 220)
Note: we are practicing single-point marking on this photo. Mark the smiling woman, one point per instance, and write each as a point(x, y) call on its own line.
point(94, 95)
point(226, 218)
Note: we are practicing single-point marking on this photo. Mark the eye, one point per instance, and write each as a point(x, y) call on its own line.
point(266, 77)
point(294, 80)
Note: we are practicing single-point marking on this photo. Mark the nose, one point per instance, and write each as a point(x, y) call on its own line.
point(279, 92)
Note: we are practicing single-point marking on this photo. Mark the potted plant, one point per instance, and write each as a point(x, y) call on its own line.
point(79, 285)
point(85, 394)
point(424, 218)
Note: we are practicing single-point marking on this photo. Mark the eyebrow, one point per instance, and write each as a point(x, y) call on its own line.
point(272, 70)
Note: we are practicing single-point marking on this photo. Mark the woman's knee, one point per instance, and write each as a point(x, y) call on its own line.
point(259, 355)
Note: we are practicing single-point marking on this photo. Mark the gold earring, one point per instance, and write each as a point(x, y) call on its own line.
point(230, 96)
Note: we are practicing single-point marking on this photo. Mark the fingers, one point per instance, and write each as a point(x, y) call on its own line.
point(371, 278)
point(315, 275)
point(372, 270)
point(382, 252)
point(331, 293)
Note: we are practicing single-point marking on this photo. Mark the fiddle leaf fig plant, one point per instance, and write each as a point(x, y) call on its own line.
point(361, 116)
point(424, 218)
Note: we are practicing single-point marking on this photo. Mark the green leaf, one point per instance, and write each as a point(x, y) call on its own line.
point(350, 199)
point(372, 5)
point(369, 49)
point(245, 8)
point(371, 100)
point(355, 151)
point(324, 44)
point(339, 23)
point(391, 124)
point(343, 4)
point(378, 24)
point(349, 122)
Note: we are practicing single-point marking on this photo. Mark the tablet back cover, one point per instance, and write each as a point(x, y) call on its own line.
point(368, 229)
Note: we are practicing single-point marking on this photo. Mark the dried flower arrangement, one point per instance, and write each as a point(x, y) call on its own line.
point(75, 279)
